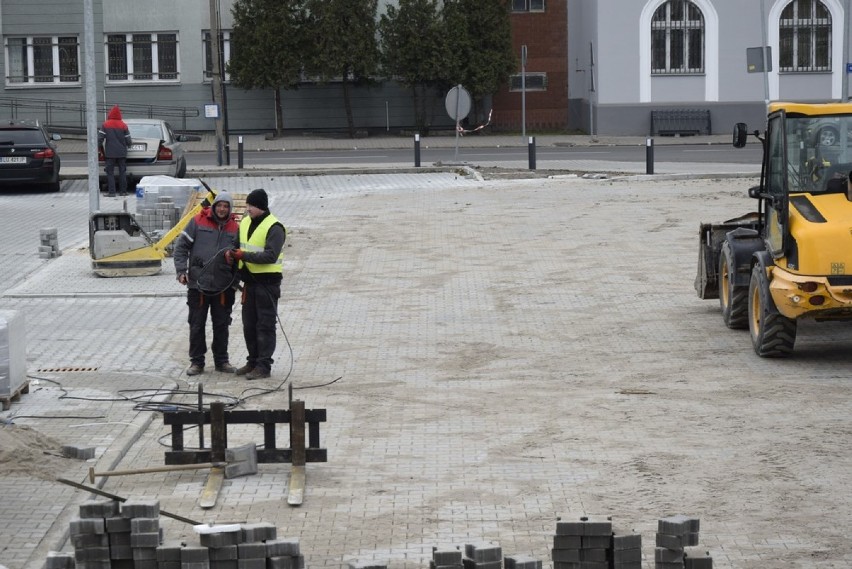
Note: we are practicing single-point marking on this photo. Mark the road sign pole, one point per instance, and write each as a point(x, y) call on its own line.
point(458, 121)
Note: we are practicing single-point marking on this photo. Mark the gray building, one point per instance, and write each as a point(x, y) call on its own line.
point(665, 55)
point(152, 58)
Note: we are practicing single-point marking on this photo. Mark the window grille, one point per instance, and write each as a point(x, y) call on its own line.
point(42, 60)
point(677, 39)
point(142, 57)
point(804, 32)
point(532, 82)
point(224, 47)
point(527, 5)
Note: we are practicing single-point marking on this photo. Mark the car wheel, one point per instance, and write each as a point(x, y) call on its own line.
point(828, 136)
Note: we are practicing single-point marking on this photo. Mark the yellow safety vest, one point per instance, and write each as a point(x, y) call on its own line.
point(256, 244)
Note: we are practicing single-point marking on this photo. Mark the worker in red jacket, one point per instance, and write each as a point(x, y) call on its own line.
point(114, 140)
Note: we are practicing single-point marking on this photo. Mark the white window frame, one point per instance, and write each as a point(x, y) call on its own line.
point(528, 6)
point(533, 81)
point(226, 54)
point(28, 66)
point(128, 59)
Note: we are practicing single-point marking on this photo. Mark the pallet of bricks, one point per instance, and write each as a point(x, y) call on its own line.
point(112, 535)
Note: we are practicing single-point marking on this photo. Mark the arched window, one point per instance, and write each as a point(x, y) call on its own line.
point(804, 32)
point(677, 39)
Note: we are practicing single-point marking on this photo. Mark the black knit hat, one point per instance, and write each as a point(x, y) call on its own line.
point(258, 199)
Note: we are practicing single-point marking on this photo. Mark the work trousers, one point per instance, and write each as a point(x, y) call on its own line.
point(219, 306)
point(109, 168)
point(260, 319)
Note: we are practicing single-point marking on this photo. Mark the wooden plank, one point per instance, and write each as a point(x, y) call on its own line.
point(15, 395)
point(210, 493)
point(296, 486)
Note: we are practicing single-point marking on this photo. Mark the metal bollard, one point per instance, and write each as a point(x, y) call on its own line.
point(417, 150)
point(531, 151)
point(240, 152)
point(649, 156)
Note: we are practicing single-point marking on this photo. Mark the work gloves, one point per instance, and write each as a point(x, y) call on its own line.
point(233, 255)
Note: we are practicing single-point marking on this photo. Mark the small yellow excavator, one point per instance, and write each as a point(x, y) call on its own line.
point(121, 248)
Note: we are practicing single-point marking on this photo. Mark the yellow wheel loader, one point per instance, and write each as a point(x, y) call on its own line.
point(120, 248)
point(792, 258)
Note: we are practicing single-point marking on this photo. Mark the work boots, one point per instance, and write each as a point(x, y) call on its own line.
point(257, 373)
point(244, 370)
point(226, 368)
point(195, 369)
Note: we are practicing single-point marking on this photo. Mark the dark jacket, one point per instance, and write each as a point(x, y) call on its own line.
point(114, 136)
point(200, 249)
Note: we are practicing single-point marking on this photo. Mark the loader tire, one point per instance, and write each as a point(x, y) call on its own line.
point(772, 334)
point(732, 299)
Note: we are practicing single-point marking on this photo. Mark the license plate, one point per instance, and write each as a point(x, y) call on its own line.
point(138, 147)
point(13, 160)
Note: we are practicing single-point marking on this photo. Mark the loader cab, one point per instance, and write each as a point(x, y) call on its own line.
point(807, 150)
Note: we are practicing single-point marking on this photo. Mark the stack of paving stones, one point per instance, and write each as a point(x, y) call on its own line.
point(74, 451)
point(49, 247)
point(482, 556)
point(626, 550)
point(159, 218)
point(674, 535)
point(583, 544)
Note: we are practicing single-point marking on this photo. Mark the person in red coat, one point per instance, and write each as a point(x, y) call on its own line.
point(114, 140)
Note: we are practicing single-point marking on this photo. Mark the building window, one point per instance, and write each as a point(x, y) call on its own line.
point(677, 39)
point(805, 37)
point(532, 82)
point(42, 60)
point(224, 46)
point(527, 5)
point(142, 57)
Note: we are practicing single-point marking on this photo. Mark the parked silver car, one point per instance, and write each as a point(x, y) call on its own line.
point(155, 150)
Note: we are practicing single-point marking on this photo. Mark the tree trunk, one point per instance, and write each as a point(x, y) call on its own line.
point(279, 114)
point(348, 104)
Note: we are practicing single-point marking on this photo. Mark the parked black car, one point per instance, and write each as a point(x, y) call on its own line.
point(28, 156)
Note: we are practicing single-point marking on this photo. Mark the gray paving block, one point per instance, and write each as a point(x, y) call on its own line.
point(79, 526)
point(483, 552)
point(596, 555)
point(251, 563)
point(697, 558)
point(196, 565)
point(99, 509)
point(91, 554)
point(59, 560)
point(627, 565)
point(144, 553)
point(447, 557)
point(227, 553)
point(172, 565)
point(282, 547)
point(626, 541)
point(596, 526)
point(120, 552)
point(224, 564)
point(78, 452)
point(569, 528)
point(670, 541)
point(678, 525)
point(149, 540)
point(596, 541)
point(194, 554)
point(251, 551)
point(262, 531)
point(567, 541)
point(169, 551)
point(87, 540)
point(218, 540)
point(626, 555)
point(521, 562)
point(117, 525)
point(570, 565)
point(119, 538)
point(144, 525)
point(140, 509)
point(664, 555)
point(565, 555)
